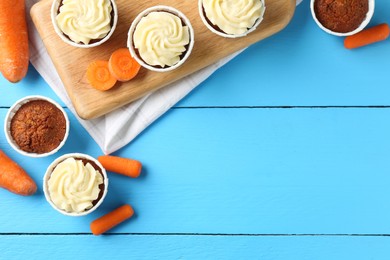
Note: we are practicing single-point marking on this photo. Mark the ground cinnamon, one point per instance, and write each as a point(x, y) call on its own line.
point(38, 127)
point(341, 15)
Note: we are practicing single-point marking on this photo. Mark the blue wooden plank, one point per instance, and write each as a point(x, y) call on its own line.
point(194, 247)
point(302, 66)
point(271, 171)
point(32, 84)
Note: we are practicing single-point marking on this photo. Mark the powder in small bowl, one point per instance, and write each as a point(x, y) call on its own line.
point(38, 126)
point(341, 16)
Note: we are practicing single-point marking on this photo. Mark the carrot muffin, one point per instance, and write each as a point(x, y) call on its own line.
point(234, 17)
point(341, 16)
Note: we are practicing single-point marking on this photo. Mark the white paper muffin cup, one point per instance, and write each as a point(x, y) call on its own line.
point(134, 24)
point(50, 169)
point(226, 35)
point(54, 11)
point(371, 7)
point(11, 112)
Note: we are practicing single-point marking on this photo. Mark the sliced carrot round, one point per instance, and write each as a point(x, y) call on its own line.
point(122, 66)
point(99, 76)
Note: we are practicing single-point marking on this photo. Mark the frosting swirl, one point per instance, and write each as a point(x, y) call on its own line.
point(161, 38)
point(73, 186)
point(233, 16)
point(85, 20)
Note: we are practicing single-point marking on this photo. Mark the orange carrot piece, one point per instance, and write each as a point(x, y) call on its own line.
point(371, 35)
point(129, 167)
point(122, 66)
point(112, 219)
point(99, 75)
point(14, 178)
point(14, 52)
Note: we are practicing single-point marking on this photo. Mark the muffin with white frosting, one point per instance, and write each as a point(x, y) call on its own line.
point(231, 18)
point(161, 38)
point(75, 184)
point(84, 23)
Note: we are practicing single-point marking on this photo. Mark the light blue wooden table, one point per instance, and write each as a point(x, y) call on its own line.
point(284, 153)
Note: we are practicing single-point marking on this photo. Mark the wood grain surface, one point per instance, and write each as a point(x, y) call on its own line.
point(71, 62)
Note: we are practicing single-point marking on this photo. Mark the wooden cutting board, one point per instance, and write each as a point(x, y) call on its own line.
point(71, 62)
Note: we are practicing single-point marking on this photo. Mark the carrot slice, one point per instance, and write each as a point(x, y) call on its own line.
point(128, 167)
point(122, 66)
point(99, 76)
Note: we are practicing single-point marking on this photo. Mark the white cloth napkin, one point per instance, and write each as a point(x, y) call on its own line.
point(116, 129)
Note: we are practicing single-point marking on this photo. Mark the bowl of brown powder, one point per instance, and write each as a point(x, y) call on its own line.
point(36, 126)
point(342, 17)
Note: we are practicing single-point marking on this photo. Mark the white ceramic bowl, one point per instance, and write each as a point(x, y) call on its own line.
point(50, 169)
point(11, 112)
point(54, 11)
point(211, 28)
point(371, 7)
point(134, 24)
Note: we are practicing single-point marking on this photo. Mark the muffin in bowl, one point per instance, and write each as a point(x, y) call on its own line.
point(84, 23)
point(75, 184)
point(161, 38)
point(231, 18)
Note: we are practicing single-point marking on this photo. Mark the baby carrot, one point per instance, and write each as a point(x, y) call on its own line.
point(99, 76)
point(124, 166)
point(110, 220)
point(14, 53)
point(14, 178)
point(371, 35)
point(122, 66)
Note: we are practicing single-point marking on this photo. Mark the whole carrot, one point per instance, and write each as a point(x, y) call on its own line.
point(14, 53)
point(124, 166)
point(371, 35)
point(110, 220)
point(14, 178)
